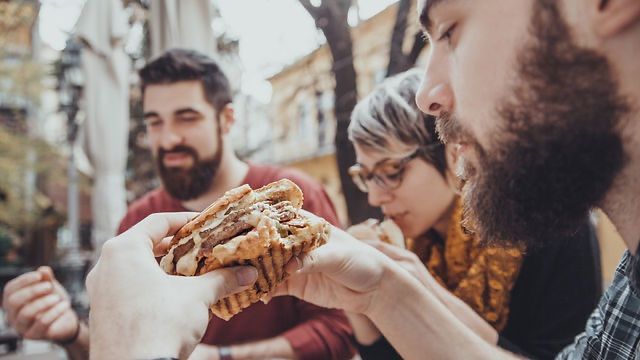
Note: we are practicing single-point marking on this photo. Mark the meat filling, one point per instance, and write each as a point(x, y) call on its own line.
point(235, 223)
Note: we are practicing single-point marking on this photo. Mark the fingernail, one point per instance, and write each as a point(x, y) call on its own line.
point(246, 275)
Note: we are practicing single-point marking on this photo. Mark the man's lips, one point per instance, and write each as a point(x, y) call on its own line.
point(175, 159)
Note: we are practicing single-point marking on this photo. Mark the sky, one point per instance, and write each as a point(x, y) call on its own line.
point(272, 33)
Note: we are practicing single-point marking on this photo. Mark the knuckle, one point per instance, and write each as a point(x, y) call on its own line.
point(89, 281)
point(154, 218)
point(309, 262)
point(109, 249)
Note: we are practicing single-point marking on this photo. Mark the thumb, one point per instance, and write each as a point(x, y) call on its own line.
point(47, 273)
point(221, 283)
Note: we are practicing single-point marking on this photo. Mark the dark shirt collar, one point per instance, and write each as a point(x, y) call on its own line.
point(633, 271)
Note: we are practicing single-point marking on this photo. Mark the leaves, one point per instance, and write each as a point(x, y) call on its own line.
point(21, 155)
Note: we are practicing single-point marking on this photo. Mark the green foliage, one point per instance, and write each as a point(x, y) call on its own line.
point(15, 162)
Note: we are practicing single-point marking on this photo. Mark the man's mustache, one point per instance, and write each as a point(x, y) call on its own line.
point(179, 149)
point(448, 128)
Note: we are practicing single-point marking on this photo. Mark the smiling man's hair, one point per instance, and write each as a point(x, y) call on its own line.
point(178, 65)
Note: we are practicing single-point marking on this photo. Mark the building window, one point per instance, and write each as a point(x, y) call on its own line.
point(305, 118)
point(324, 104)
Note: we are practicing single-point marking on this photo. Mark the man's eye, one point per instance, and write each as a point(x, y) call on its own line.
point(188, 118)
point(153, 123)
point(447, 35)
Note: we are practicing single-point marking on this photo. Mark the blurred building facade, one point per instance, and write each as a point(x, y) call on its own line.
point(299, 127)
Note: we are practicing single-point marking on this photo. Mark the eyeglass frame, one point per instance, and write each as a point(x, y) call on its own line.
point(356, 170)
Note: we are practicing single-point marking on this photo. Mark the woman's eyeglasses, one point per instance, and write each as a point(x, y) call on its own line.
point(387, 173)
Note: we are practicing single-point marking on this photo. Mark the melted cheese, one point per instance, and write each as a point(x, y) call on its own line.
point(188, 264)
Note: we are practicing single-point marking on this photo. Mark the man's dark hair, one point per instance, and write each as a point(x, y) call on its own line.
point(185, 65)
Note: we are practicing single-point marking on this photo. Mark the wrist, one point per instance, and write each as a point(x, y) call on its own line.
point(364, 330)
point(74, 336)
point(132, 346)
point(391, 292)
point(225, 353)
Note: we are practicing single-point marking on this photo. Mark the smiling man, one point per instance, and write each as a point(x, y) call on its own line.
point(188, 115)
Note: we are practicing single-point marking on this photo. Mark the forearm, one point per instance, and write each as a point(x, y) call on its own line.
point(274, 348)
point(402, 302)
point(365, 330)
point(464, 312)
point(79, 349)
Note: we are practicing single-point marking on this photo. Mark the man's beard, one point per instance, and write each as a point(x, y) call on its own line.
point(188, 184)
point(558, 149)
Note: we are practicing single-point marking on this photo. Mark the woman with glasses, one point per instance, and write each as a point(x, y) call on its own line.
point(406, 172)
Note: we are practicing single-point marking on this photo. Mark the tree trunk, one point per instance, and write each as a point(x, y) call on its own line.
point(398, 60)
point(331, 18)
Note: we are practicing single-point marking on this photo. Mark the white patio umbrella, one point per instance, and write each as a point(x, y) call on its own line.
point(102, 27)
point(183, 24)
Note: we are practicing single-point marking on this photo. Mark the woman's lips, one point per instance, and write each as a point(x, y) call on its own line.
point(397, 217)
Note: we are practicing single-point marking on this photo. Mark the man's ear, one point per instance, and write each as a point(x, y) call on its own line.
point(613, 16)
point(227, 118)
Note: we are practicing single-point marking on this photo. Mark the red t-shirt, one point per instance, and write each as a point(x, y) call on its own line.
point(312, 331)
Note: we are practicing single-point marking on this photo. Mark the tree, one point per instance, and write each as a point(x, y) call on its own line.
point(330, 17)
point(398, 60)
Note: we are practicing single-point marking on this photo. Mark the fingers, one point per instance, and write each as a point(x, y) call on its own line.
point(158, 226)
point(32, 311)
point(392, 251)
point(90, 280)
point(42, 325)
point(323, 259)
point(293, 265)
point(14, 302)
point(280, 290)
point(221, 283)
point(20, 282)
point(47, 273)
point(162, 247)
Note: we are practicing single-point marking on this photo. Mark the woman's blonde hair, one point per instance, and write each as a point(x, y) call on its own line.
point(390, 115)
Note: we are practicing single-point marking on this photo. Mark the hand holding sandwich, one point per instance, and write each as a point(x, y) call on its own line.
point(137, 310)
point(344, 274)
point(351, 275)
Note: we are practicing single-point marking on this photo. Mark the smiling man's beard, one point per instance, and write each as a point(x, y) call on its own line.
point(190, 183)
point(557, 150)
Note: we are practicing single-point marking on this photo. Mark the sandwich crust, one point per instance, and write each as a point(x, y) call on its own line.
point(261, 228)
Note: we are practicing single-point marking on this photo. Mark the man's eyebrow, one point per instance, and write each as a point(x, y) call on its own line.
point(186, 111)
point(425, 20)
point(150, 114)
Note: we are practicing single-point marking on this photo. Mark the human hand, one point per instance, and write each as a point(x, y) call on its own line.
point(139, 311)
point(407, 260)
point(204, 352)
point(365, 230)
point(344, 273)
point(38, 307)
point(412, 264)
